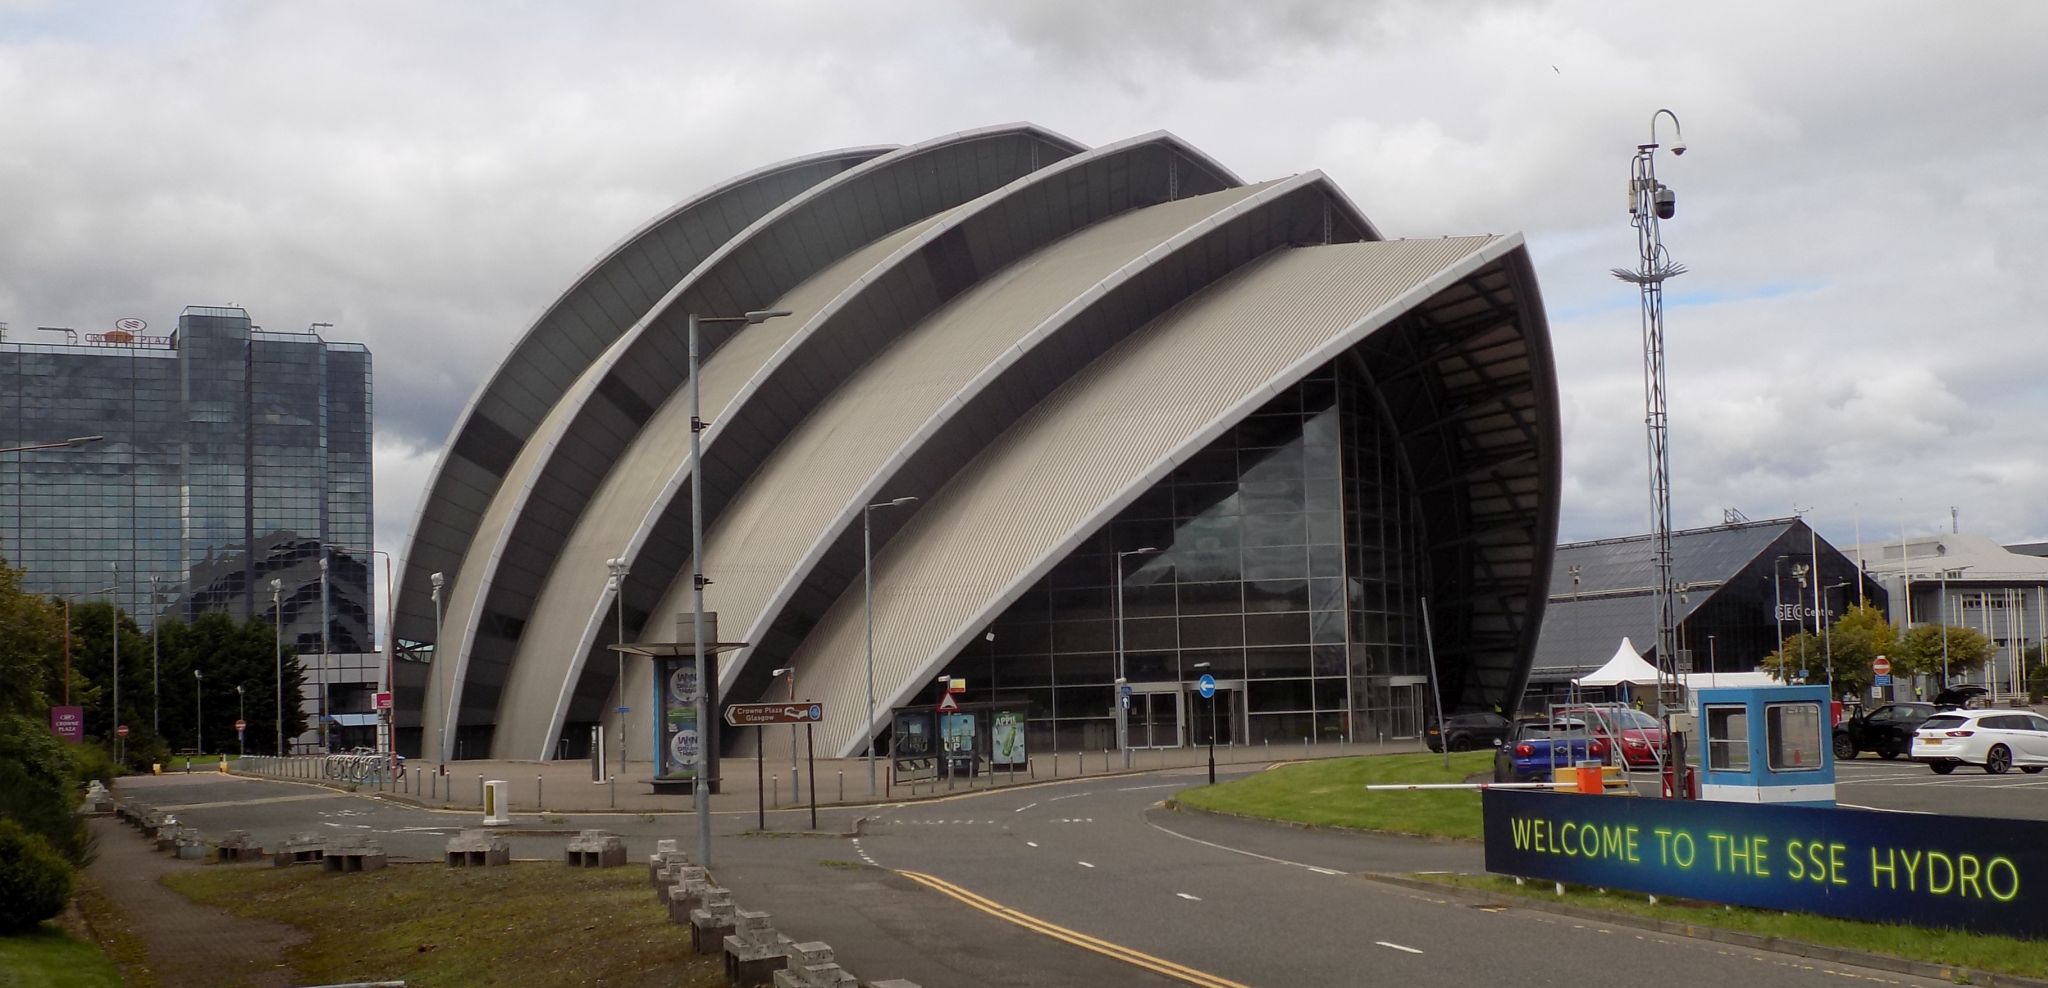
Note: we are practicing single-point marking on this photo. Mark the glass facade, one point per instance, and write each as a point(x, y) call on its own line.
point(1284, 563)
point(231, 457)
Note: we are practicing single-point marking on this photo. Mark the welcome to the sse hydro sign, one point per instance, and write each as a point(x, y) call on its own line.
point(1967, 873)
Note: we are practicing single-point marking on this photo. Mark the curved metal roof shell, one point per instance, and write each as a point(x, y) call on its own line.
point(535, 508)
point(975, 320)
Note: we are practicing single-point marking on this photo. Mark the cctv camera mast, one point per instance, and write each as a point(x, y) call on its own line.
point(1649, 203)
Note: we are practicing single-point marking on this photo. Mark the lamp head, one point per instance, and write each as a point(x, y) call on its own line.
point(1678, 146)
point(899, 502)
point(435, 580)
point(757, 316)
point(782, 672)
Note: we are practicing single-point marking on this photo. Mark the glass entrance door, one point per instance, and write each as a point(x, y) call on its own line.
point(1155, 720)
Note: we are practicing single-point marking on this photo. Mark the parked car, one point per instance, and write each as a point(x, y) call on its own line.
point(1537, 748)
point(1888, 730)
point(1958, 696)
point(1466, 732)
point(1994, 739)
point(1637, 735)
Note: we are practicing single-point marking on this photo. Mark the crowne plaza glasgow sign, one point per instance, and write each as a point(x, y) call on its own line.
point(1966, 873)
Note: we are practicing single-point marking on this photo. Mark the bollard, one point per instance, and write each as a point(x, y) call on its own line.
point(538, 806)
point(796, 785)
point(1304, 747)
point(611, 783)
point(479, 790)
point(842, 785)
point(775, 790)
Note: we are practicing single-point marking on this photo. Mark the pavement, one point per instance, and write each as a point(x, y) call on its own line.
point(1086, 881)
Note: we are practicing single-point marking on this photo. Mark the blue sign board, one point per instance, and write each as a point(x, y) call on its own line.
point(1976, 874)
point(1125, 689)
point(1883, 680)
point(1207, 684)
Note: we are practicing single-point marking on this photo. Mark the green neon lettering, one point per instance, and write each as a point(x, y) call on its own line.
point(1820, 864)
point(1520, 826)
point(1610, 841)
point(1796, 869)
point(1633, 857)
point(1683, 850)
point(1663, 845)
point(1947, 883)
point(1837, 872)
point(1967, 870)
point(1720, 843)
point(2012, 887)
point(1912, 862)
point(1564, 834)
point(1760, 856)
point(1888, 869)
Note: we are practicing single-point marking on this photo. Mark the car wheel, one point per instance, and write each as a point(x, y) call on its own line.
point(2031, 769)
point(1888, 753)
point(1998, 760)
point(1943, 768)
point(1845, 749)
point(1461, 743)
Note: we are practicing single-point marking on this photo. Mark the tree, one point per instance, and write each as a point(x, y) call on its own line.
point(1921, 650)
point(1852, 643)
point(31, 647)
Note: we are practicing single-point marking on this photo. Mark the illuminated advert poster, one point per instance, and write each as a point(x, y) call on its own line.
point(678, 746)
point(1969, 873)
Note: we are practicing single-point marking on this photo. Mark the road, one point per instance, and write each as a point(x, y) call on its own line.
point(1082, 882)
point(1911, 787)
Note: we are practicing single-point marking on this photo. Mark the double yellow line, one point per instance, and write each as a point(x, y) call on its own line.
point(1157, 965)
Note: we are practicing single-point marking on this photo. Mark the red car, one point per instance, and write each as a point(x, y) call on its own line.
point(1638, 736)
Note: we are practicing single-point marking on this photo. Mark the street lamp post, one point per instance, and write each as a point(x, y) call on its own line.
point(241, 718)
point(1123, 712)
point(867, 570)
point(1212, 725)
point(277, 644)
point(700, 790)
point(198, 712)
point(114, 627)
point(617, 584)
point(325, 745)
point(156, 723)
point(440, 743)
point(1799, 573)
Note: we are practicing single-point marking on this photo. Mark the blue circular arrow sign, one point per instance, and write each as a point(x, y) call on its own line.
point(817, 711)
point(1207, 684)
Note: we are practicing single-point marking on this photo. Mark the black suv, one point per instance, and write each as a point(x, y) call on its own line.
point(1888, 730)
point(1466, 732)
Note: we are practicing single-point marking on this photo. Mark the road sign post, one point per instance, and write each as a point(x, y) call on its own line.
point(764, 715)
point(1207, 684)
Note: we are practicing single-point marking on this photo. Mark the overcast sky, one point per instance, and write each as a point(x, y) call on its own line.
point(1861, 334)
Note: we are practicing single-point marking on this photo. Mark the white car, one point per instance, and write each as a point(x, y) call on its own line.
point(1995, 739)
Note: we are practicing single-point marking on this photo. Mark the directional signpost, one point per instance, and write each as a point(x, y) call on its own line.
point(1881, 669)
point(765, 715)
point(1207, 686)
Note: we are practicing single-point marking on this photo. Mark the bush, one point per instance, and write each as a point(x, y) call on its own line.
point(35, 881)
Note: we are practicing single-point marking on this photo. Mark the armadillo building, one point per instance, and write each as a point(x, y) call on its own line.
point(1133, 396)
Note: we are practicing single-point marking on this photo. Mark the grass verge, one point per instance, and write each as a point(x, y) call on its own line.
point(50, 958)
point(1331, 793)
point(528, 924)
point(1951, 948)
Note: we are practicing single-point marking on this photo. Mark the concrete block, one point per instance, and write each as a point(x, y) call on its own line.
point(754, 951)
point(351, 854)
point(478, 849)
point(595, 849)
point(239, 846)
point(300, 849)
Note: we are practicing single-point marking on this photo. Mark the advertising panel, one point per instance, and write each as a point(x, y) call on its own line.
point(1006, 738)
point(680, 736)
point(68, 723)
point(1967, 873)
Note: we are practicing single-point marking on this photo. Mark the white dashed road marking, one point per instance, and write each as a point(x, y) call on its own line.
point(1084, 864)
point(1190, 898)
point(1397, 946)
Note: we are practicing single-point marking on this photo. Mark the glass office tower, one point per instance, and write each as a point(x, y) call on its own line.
point(232, 456)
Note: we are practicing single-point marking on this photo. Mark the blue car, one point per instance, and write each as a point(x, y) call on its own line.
point(1536, 749)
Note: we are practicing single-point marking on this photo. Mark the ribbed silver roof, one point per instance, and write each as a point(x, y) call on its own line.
point(1101, 439)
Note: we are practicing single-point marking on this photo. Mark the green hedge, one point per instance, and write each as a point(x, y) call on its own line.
point(35, 881)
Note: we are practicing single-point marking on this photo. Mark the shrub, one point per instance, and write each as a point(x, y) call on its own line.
point(89, 761)
point(35, 881)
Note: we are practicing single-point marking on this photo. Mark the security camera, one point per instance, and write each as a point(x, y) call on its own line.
point(1678, 147)
point(1667, 202)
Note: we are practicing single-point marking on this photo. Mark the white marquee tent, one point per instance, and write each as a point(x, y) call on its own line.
point(1627, 666)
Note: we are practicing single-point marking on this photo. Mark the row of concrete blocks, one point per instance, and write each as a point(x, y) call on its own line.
point(164, 829)
point(755, 954)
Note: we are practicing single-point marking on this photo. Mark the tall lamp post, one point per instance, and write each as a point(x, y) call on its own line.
point(326, 746)
point(440, 743)
point(277, 644)
point(156, 723)
point(700, 790)
point(616, 583)
point(1200, 666)
point(242, 718)
point(867, 571)
point(114, 628)
point(1123, 712)
point(1799, 573)
point(198, 712)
